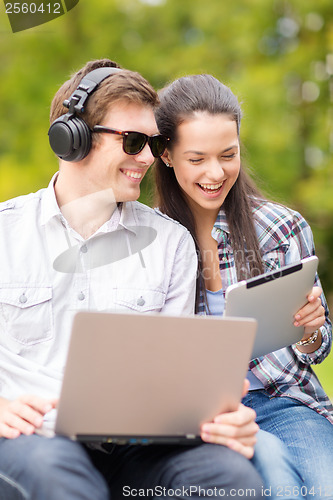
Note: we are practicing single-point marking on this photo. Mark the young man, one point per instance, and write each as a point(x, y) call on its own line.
point(53, 264)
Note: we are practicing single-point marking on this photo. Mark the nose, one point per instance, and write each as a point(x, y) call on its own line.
point(145, 156)
point(215, 170)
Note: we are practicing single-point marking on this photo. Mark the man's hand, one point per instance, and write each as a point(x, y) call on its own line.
point(23, 415)
point(236, 430)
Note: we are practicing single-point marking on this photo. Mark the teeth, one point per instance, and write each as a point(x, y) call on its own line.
point(134, 175)
point(211, 186)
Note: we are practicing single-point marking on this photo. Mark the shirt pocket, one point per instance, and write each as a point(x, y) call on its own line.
point(139, 300)
point(275, 259)
point(26, 313)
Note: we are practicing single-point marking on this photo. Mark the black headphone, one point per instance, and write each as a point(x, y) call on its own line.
point(69, 135)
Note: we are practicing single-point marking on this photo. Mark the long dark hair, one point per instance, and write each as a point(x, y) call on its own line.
point(178, 102)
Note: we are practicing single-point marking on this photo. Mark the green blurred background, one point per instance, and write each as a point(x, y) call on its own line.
point(277, 56)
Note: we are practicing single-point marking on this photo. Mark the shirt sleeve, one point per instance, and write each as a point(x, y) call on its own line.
point(180, 298)
point(302, 246)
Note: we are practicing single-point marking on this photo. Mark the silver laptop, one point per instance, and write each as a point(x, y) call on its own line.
point(141, 379)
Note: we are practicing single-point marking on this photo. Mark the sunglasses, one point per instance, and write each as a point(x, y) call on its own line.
point(134, 142)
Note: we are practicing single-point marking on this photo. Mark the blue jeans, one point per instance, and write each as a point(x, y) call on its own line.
point(308, 436)
point(38, 468)
point(178, 472)
point(274, 463)
point(206, 466)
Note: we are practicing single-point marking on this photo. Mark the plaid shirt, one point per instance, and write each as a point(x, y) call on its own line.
point(284, 238)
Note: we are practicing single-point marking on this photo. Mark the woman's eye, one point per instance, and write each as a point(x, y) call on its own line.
point(229, 157)
point(195, 160)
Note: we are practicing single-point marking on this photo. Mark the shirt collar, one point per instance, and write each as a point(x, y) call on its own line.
point(128, 217)
point(49, 205)
point(221, 225)
point(124, 215)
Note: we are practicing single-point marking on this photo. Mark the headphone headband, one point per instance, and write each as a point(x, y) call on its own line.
point(69, 135)
point(87, 86)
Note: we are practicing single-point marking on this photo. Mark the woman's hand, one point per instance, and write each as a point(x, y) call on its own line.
point(312, 317)
point(236, 430)
point(23, 415)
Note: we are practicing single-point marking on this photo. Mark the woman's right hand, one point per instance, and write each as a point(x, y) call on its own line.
point(23, 415)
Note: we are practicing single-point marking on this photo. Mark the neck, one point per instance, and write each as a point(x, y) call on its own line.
point(85, 206)
point(204, 221)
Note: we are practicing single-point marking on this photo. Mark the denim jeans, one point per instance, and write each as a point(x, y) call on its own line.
point(209, 467)
point(274, 463)
point(178, 472)
point(307, 434)
point(38, 468)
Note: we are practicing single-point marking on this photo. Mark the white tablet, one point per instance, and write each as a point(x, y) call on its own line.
point(273, 299)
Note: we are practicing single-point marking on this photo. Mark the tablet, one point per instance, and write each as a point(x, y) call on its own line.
point(273, 299)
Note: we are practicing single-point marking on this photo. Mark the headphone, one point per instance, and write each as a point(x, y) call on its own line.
point(69, 135)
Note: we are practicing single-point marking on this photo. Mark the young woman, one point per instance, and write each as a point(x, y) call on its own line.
point(239, 234)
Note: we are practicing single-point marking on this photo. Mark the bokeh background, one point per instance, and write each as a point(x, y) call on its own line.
point(277, 56)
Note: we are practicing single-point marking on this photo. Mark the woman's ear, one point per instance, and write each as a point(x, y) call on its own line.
point(166, 158)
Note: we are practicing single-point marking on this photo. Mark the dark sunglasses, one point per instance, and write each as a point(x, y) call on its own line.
point(134, 142)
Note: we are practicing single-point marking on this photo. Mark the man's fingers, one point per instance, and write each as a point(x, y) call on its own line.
point(26, 413)
point(39, 404)
point(246, 451)
point(246, 386)
point(238, 418)
point(23, 415)
point(16, 422)
point(8, 432)
point(244, 447)
point(231, 431)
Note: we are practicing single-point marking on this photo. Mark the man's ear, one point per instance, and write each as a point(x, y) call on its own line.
point(166, 158)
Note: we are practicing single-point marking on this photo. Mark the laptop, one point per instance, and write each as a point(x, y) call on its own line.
point(143, 379)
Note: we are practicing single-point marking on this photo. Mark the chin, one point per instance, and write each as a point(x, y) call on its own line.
point(128, 197)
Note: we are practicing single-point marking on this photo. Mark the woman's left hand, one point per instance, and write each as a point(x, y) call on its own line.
point(312, 314)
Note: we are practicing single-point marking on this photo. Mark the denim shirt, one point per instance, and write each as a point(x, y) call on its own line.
point(47, 274)
point(284, 238)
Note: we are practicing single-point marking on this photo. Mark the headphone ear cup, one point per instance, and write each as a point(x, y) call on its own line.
point(70, 138)
point(83, 135)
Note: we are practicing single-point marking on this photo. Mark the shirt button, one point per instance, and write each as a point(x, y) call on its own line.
point(224, 259)
point(141, 301)
point(81, 296)
point(84, 249)
point(23, 299)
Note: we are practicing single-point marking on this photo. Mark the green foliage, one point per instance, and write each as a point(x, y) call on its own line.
point(277, 55)
point(324, 372)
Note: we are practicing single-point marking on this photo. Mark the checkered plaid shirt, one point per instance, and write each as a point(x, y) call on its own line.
point(284, 238)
